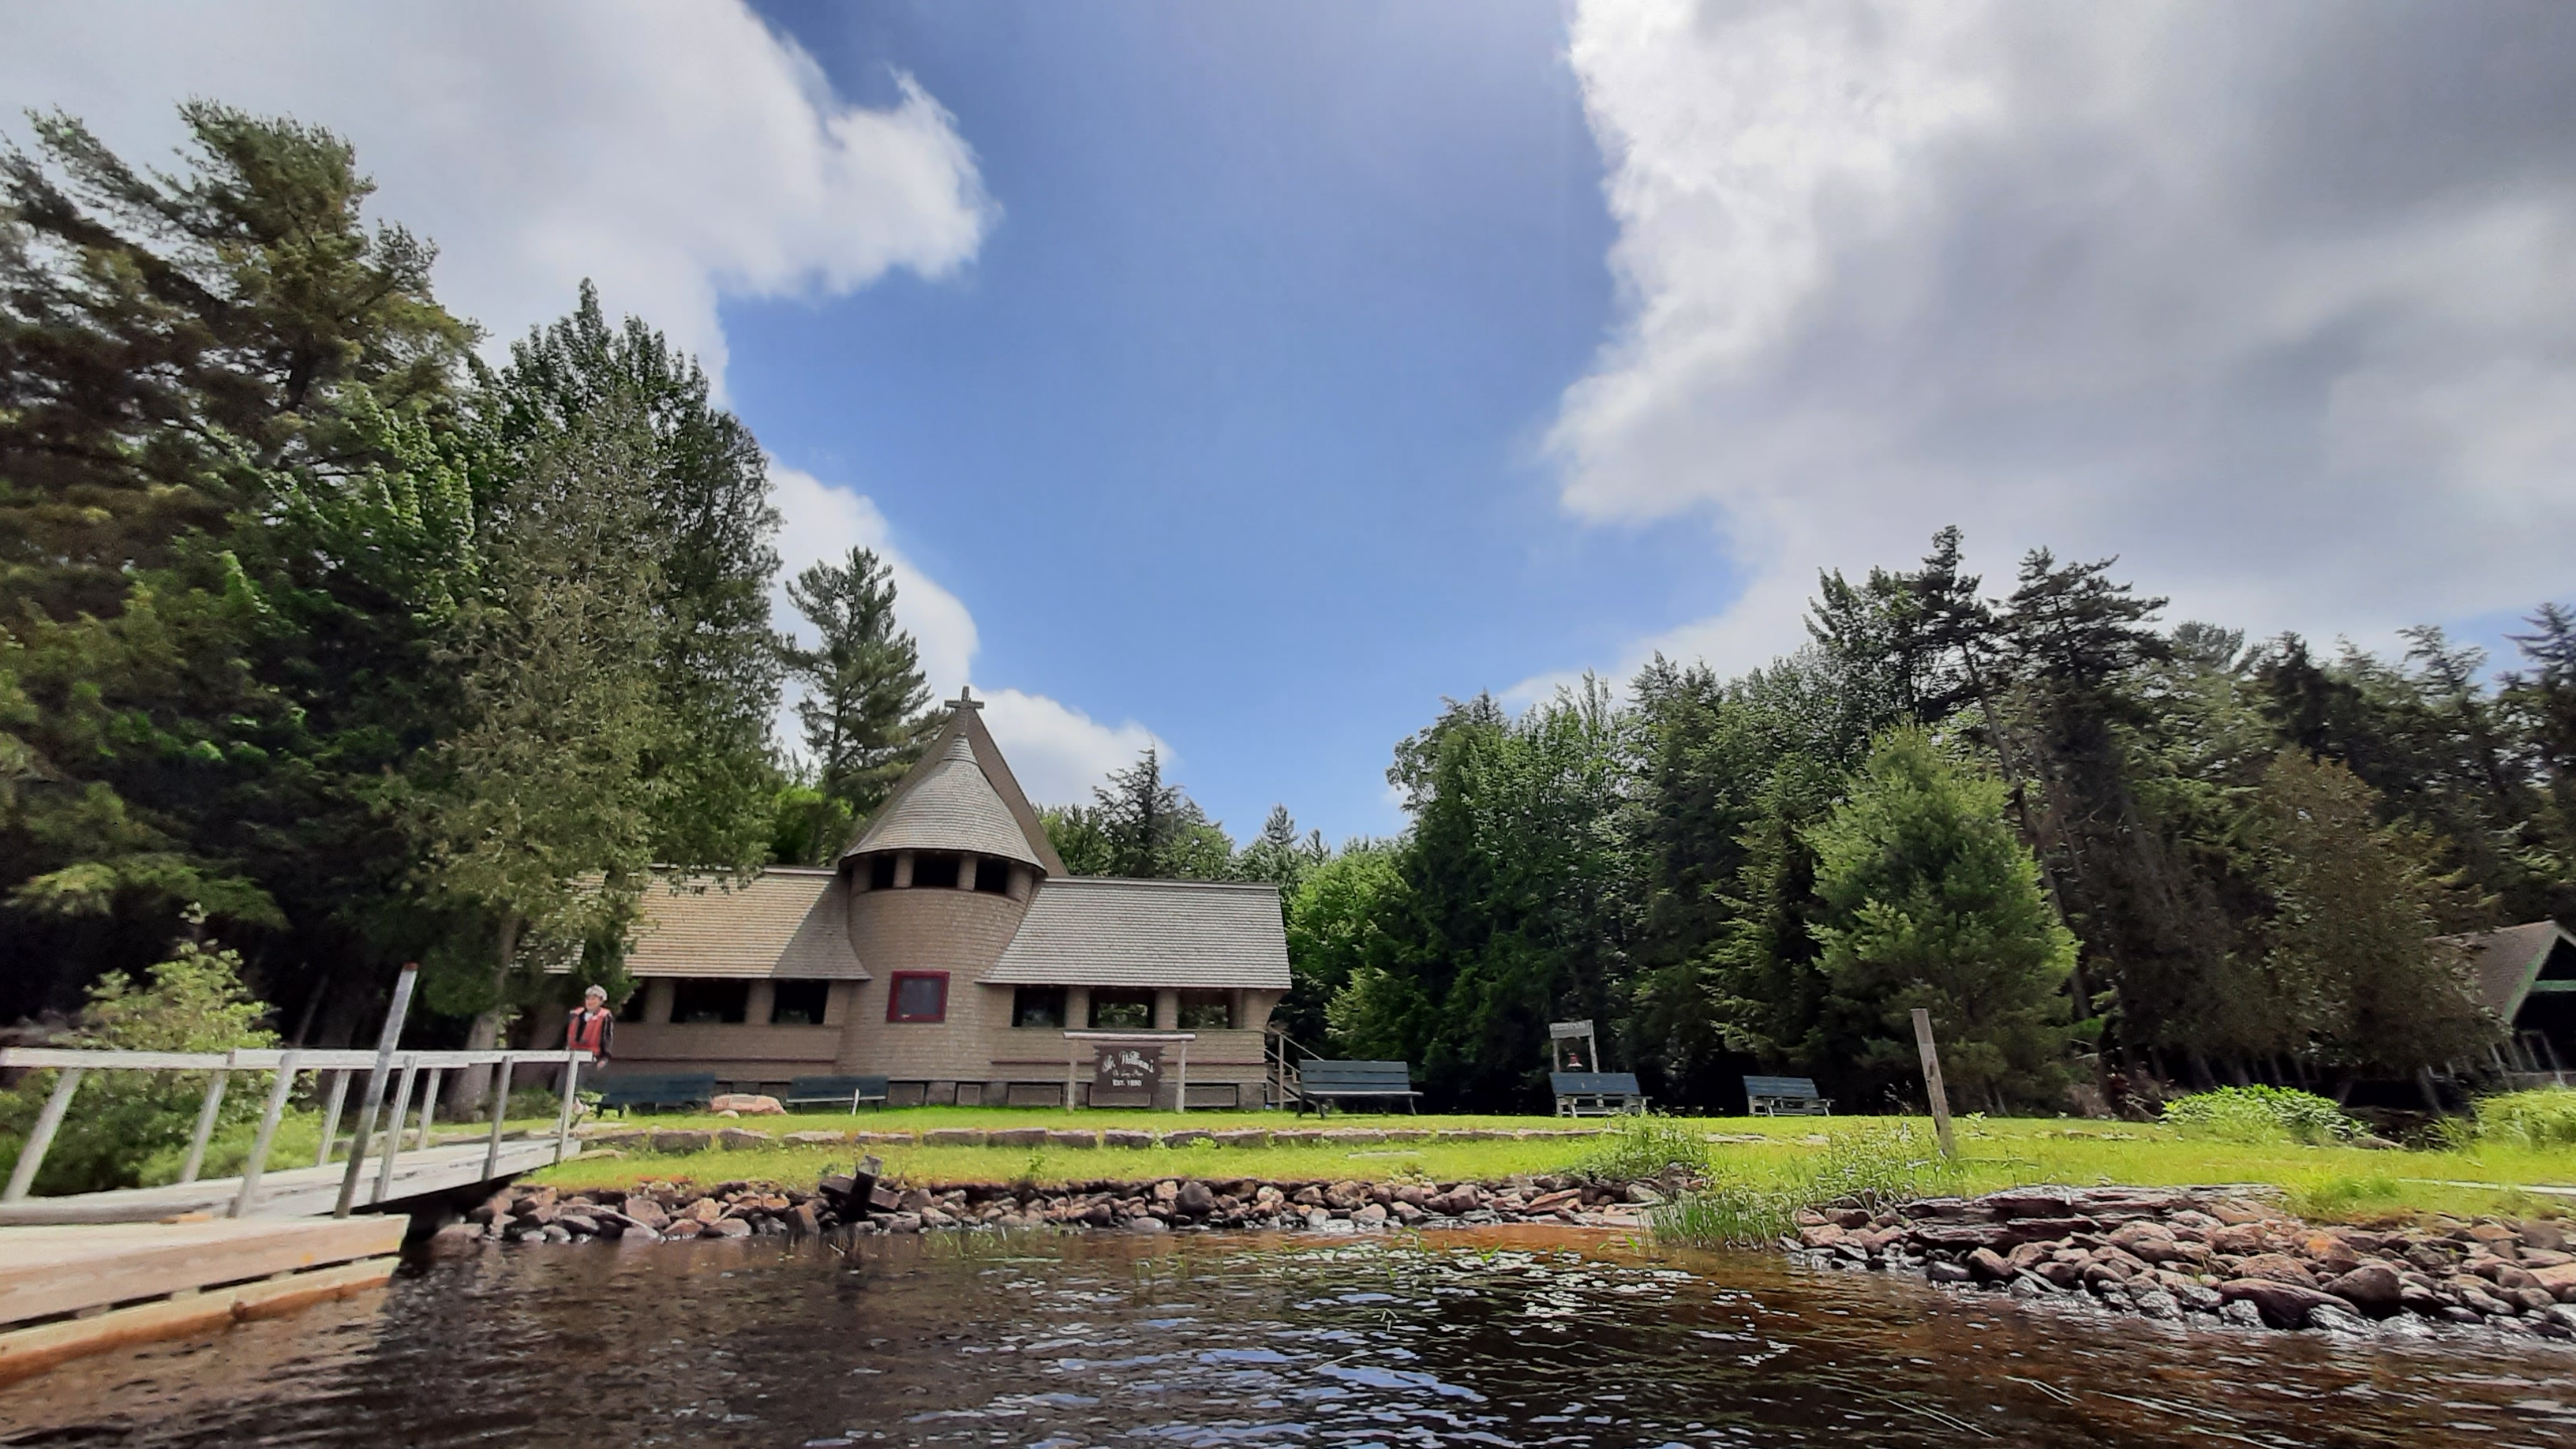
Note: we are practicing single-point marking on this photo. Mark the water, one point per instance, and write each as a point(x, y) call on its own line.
point(1518, 1337)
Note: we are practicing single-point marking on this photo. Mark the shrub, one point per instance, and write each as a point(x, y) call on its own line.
point(122, 1120)
point(2545, 1117)
point(1873, 1167)
point(2262, 1114)
point(1643, 1146)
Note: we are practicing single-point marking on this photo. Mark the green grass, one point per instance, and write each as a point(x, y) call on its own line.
point(2332, 1182)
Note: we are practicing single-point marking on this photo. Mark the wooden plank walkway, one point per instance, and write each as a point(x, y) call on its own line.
point(72, 1290)
point(298, 1192)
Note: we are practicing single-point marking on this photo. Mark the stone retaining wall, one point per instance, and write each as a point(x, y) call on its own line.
point(701, 1139)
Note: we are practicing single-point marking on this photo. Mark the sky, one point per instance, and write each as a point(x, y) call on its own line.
point(1243, 380)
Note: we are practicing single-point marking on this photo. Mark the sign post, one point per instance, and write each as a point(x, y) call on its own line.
point(1932, 1081)
point(1128, 1061)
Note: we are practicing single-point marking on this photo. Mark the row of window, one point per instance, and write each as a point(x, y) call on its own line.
point(922, 996)
point(938, 870)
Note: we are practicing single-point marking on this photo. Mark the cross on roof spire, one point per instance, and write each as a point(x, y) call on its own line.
point(965, 699)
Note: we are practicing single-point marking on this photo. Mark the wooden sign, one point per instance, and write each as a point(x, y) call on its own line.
point(1126, 1074)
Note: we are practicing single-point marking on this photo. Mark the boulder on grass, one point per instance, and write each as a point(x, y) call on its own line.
point(681, 1139)
point(952, 1137)
point(735, 1139)
point(749, 1104)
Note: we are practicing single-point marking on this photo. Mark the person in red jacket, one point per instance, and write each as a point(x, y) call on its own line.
point(591, 1026)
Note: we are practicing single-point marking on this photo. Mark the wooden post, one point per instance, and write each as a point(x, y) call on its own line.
point(331, 1117)
point(32, 1155)
point(1181, 1086)
point(429, 1104)
point(276, 1108)
point(500, 1111)
point(563, 1118)
point(394, 1130)
point(206, 1111)
point(375, 1098)
point(1070, 1057)
point(1939, 1094)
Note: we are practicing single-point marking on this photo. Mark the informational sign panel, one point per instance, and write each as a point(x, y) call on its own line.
point(1126, 1074)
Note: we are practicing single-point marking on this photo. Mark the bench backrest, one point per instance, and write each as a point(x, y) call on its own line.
point(837, 1087)
point(1354, 1077)
point(1801, 1089)
point(663, 1087)
point(1595, 1084)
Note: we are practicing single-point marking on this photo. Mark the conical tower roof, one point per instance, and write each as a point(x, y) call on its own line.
point(960, 797)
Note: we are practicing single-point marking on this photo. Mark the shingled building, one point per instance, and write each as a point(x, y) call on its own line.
point(948, 952)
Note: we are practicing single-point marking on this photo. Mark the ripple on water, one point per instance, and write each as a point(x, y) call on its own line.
point(1515, 1337)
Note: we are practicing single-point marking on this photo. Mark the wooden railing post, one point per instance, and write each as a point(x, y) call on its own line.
point(500, 1111)
point(394, 1130)
point(375, 1098)
point(278, 1091)
point(563, 1118)
point(206, 1111)
point(331, 1116)
point(32, 1155)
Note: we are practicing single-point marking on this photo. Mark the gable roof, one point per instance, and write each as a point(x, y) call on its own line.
point(1104, 931)
point(785, 922)
point(961, 796)
point(2507, 962)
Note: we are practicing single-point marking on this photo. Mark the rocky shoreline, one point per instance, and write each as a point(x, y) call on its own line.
point(2215, 1254)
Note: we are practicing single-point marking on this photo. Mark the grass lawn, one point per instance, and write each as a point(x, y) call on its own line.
point(2327, 1183)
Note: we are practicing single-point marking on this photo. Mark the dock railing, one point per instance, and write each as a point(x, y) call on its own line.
point(286, 1065)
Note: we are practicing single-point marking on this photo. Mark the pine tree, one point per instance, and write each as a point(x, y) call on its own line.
point(1931, 902)
point(865, 711)
point(1154, 830)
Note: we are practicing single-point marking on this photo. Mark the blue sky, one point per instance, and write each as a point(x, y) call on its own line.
point(1248, 377)
point(1232, 425)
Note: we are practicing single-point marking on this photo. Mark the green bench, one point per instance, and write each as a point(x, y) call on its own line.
point(1596, 1094)
point(1321, 1084)
point(835, 1092)
point(1785, 1097)
point(656, 1090)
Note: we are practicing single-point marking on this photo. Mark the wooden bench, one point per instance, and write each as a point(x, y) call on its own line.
point(1785, 1097)
point(835, 1092)
point(1596, 1094)
point(1320, 1083)
point(656, 1089)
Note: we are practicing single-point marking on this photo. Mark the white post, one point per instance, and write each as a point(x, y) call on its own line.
point(276, 1108)
point(563, 1119)
point(429, 1105)
point(1181, 1087)
point(206, 1111)
point(375, 1098)
point(500, 1111)
point(394, 1130)
point(331, 1117)
point(32, 1155)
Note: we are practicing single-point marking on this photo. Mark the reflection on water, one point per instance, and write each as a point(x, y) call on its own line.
point(1516, 1337)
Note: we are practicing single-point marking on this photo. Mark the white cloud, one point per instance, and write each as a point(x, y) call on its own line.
point(676, 151)
point(2271, 302)
point(1057, 752)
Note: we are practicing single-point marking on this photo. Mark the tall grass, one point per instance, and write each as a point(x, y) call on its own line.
point(1644, 1146)
point(1873, 1166)
point(2261, 1114)
point(2542, 1118)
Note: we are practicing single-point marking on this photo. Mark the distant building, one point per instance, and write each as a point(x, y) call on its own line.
point(2526, 975)
point(948, 952)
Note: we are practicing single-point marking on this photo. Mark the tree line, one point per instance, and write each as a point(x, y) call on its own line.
point(2105, 853)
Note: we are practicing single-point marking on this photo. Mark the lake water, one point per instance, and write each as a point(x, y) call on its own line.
point(1510, 1337)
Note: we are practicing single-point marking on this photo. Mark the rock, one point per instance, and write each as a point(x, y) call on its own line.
point(2241, 1312)
point(2559, 1280)
point(2545, 1234)
point(1989, 1265)
point(1016, 1137)
point(1061, 1137)
point(815, 1139)
point(646, 1211)
point(2148, 1241)
point(953, 1137)
point(1354, 1136)
point(1244, 1137)
point(458, 1237)
point(2374, 1288)
point(748, 1104)
point(681, 1139)
point(1126, 1139)
point(1370, 1217)
point(2030, 1202)
point(736, 1139)
point(1822, 1235)
point(2335, 1318)
point(1194, 1200)
point(1148, 1225)
point(1947, 1272)
point(2279, 1267)
point(2237, 1238)
point(1189, 1137)
point(579, 1224)
point(1643, 1195)
point(2331, 1253)
point(2283, 1305)
point(2156, 1303)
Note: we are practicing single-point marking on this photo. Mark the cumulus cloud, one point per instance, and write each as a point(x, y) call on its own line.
point(1057, 752)
point(677, 151)
point(2269, 300)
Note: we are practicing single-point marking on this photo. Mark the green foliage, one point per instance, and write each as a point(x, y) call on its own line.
point(1142, 827)
point(865, 711)
point(120, 1121)
point(1644, 1146)
point(2262, 1114)
point(2544, 1117)
point(1337, 919)
point(1873, 1166)
point(1931, 903)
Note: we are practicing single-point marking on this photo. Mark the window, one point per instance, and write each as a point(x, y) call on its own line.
point(696, 1003)
point(799, 1003)
point(1207, 1010)
point(1121, 1010)
point(918, 996)
point(881, 872)
point(932, 871)
point(1041, 1006)
point(632, 1008)
point(993, 877)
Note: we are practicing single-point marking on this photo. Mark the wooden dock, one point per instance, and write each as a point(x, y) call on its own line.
point(296, 1192)
point(67, 1290)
